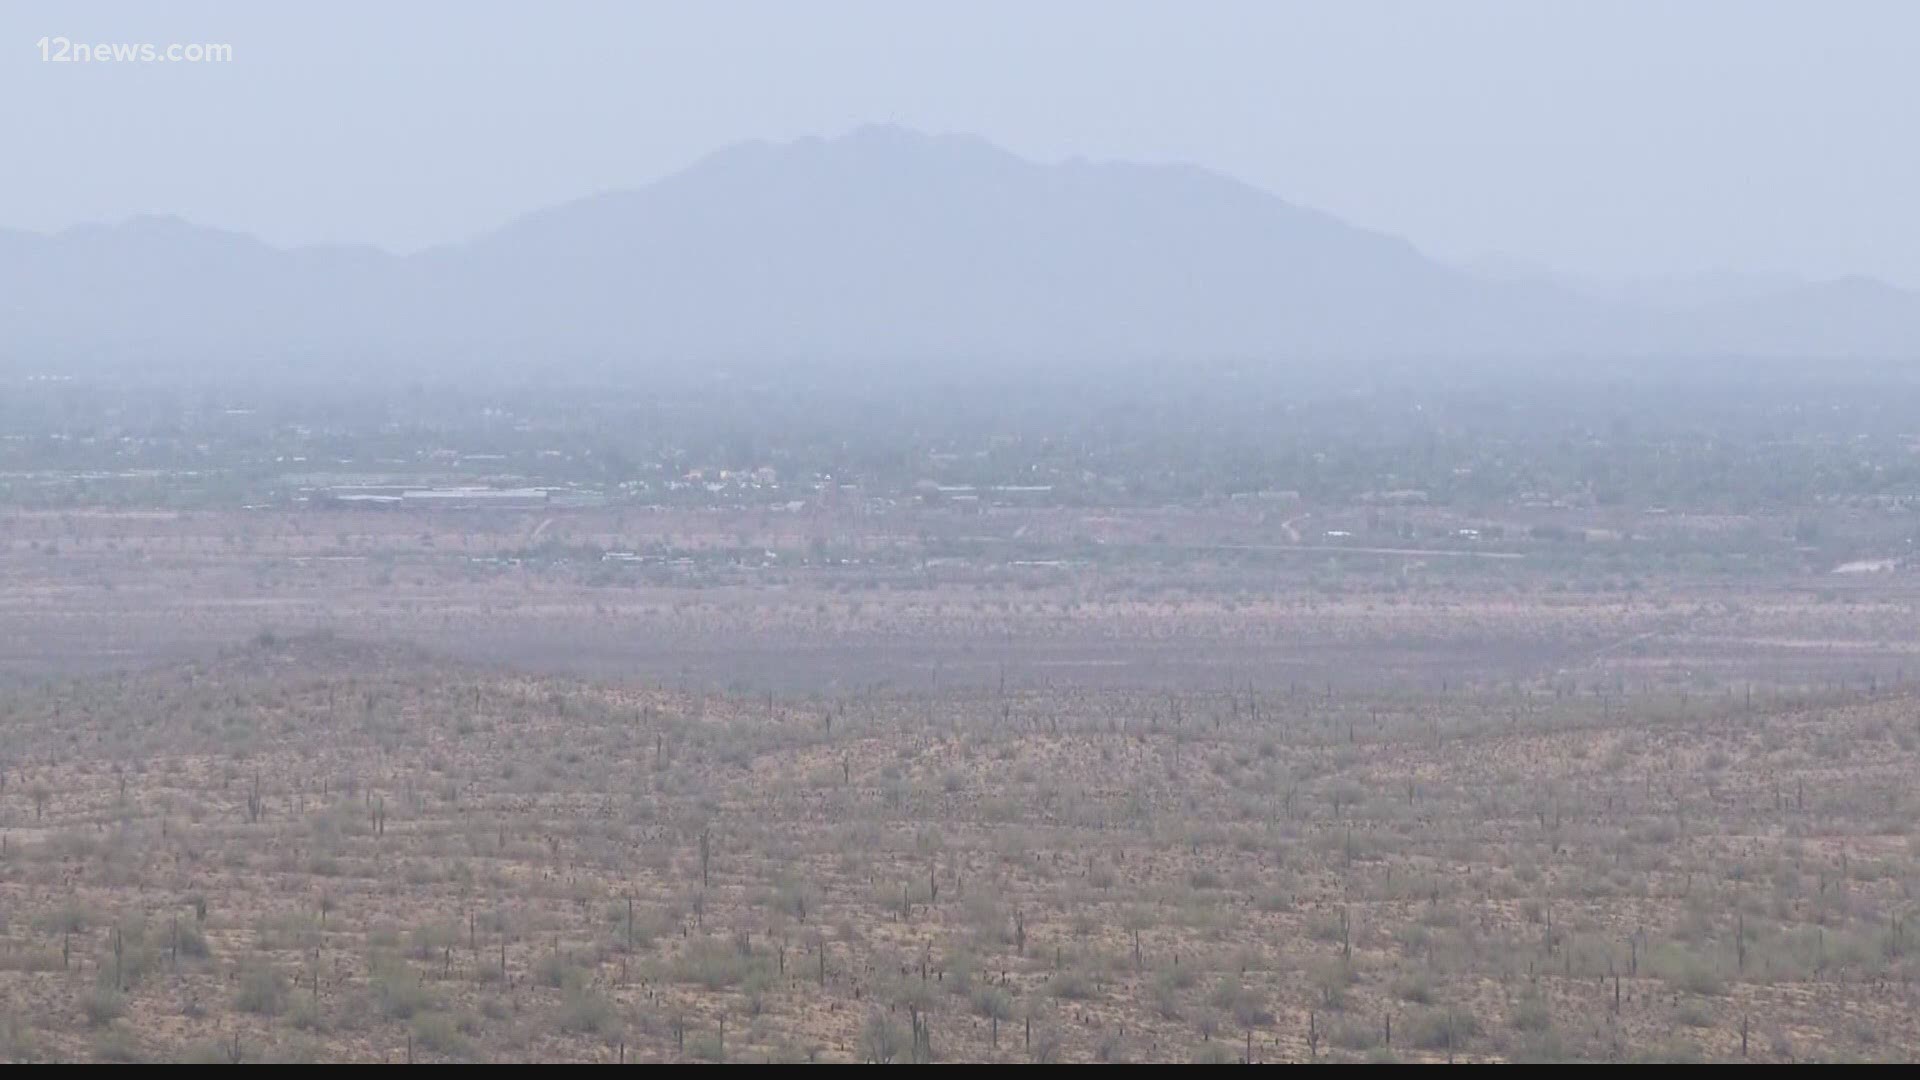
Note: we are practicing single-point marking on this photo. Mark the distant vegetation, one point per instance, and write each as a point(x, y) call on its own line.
point(1472, 444)
point(1202, 717)
point(315, 850)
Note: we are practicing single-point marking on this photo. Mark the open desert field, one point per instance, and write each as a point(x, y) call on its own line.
point(511, 754)
point(315, 848)
point(849, 533)
point(834, 599)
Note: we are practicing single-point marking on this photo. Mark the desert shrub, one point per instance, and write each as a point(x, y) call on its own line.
point(263, 991)
point(1246, 1005)
point(1046, 1047)
point(1531, 1014)
point(1416, 989)
point(102, 1005)
point(1693, 1014)
point(1213, 1053)
point(440, 1033)
point(1687, 972)
point(116, 1043)
point(192, 941)
point(715, 963)
point(305, 1015)
point(1071, 986)
point(289, 930)
point(1357, 1035)
point(17, 1038)
point(1437, 1029)
point(1332, 979)
point(429, 941)
point(584, 1010)
point(882, 1039)
point(71, 917)
point(795, 901)
point(398, 992)
point(707, 1046)
point(557, 969)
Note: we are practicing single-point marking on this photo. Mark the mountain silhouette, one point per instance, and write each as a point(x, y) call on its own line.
point(883, 246)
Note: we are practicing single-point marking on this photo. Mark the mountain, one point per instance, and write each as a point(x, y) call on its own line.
point(880, 247)
point(1669, 292)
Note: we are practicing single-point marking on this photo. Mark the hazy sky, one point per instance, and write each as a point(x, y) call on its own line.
point(1606, 137)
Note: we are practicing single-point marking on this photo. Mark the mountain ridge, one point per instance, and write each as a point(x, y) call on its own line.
point(883, 245)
